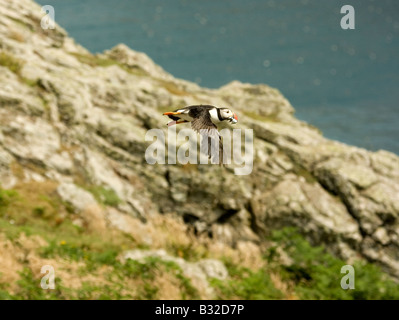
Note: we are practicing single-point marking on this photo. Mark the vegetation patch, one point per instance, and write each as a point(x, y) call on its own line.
point(104, 195)
point(269, 118)
point(10, 62)
point(173, 88)
point(96, 61)
point(15, 65)
point(302, 172)
point(93, 261)
point(6, 198)
point(313, 274)
point(246, 284)
point(33, 209)
point(316, 274)
point(189, 252)
point(29, 289)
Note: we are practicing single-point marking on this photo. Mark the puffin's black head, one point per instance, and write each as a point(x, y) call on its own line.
point(227, 114)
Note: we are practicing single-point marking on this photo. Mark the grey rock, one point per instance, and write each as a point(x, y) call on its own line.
point(77, 197)
point(213, 269)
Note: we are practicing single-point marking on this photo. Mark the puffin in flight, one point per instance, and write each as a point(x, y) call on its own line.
point(203, 119)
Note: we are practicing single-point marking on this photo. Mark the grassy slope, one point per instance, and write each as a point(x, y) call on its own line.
point(37, 229)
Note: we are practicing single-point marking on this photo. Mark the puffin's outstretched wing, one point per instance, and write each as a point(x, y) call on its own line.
point(211, 139)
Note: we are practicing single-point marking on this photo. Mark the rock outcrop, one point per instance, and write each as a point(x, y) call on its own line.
point(80, 121)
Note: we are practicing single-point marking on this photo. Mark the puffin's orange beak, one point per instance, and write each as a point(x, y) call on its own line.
point(234, 119)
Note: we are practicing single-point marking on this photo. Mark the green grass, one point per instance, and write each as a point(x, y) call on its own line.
point(189, 252)
point(92, 250)
point(269, 118)
point(245, 284)
point(35, 214)
point(96, 61)
point(301, 171)
point(15, 65)
point(12, 63)
point(6, 198)
point(317, 274)
point(29, 289)
point(173, 89)
point(30, 82)
point(34, 209)
point(145, 272)
point(104, 195)
point(313, 274)
point(188, 291)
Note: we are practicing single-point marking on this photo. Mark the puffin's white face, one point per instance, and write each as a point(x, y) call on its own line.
point(227, 114)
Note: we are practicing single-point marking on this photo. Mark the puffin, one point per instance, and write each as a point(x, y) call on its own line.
point(203, 120)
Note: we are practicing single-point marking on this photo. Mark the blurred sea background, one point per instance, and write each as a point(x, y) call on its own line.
point(345, 82)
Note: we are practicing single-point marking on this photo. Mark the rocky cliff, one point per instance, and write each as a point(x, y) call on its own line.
point(77, 122)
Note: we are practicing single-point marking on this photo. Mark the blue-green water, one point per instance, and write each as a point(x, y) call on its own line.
point(343, 81)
